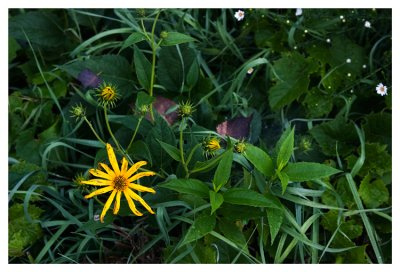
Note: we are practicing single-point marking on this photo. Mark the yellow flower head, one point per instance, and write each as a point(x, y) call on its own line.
point(107, 95)
point(210, 145)
point(117, 181)
point(240, 147)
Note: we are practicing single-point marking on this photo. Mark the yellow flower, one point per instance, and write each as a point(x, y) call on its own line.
point(118, 181)
point(211, 145)
point(240, 147)
point(107, 94)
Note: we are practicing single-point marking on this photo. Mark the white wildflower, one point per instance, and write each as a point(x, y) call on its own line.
point(299, 12)
point(239, 15)
point(381, 89)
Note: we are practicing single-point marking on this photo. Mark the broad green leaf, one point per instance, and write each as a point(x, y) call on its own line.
point(223, 171)
point(113, 69)
point(202, 225)
point(286, 150)
point(187, 186)
point(207, 165)
point(21, 233)
point(378, 128)
point(248, 197)
point(374, 193)
point(293, 82)
point(317, 103)
point(174, 38)
point(13, 47)
point(275, 219)
point(216, 199)
point(193, 74)
point(260, 159)
point(132, 39)
point(232, 232)
point(305, 171)
point(173, 65)
point(336, 136)
point(143, 99)
point(284, 178)
point(171, 150)
point(143, 68)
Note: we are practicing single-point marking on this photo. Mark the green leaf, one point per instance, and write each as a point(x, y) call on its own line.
point(248, 197)
point(193, 74)
point(132, 39)
point(260, 159)
point(207, 165)
point(378, 128)
point(223, 171)
point(143, 99)
point(22, 233)
point(173, 66)
point(275, 219)
point(232, 232)
point(336, 133)
point(293, 82)
point(187, 186)
point(202, 225)
point(13, 47)
point(285, 150)
point(114, 69)
point(174, 38)
point(284, 178)
point(171, 150)
point(374, 193)
point(143, 68)
point(305, 171)
point(216, 199)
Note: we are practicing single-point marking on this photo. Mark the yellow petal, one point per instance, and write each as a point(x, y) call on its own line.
point(112, 159)
point(107, 206)
point(138, 198)
point(132, 205)
point(108, 170)
point(134, 168)
point(100, 191)
point(141, 188)
point(140, 175)
point(117, 202)
point(97, 182)
point(100, 174)
point(124, 166)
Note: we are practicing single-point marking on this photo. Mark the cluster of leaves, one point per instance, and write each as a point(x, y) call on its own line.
point(306, 180)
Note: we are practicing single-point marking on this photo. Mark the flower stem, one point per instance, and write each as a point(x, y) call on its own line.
point(110, 131)
point(153, 62)
point(181, 128)
point(94, 131)
point(134, 134)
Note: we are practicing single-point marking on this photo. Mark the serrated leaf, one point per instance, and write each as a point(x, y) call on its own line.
point(285, 150)
point(305, 171)
point(275, 219)
point(187, 186)
point(241, 196)
point(260, 159)
point(202, 225)
point(293, 82)
point(223, 171)
point(216, 199)
point(174, 38)
point(374, 193)
point(143, 69)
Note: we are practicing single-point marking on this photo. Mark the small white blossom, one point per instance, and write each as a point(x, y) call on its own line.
point(349, 74)
point(328, 40)
point(287, 21)
point(344, 21)
point(341, 17)
point(250, 71)
point(348, 61)
point(299, 12)
point(367, 24)
point(364, 66)
point(96, 217)
point(239, 15)
point(381, 89)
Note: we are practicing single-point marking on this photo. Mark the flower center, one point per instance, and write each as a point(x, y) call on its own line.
point(120, 183)
point(381, 89)
point(108, 93)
